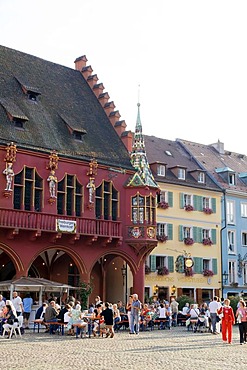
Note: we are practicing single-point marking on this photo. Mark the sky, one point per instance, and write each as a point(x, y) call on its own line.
point(185, 61)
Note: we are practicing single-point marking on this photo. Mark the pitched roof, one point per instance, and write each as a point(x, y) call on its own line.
point(172, 154)
point(64, 99)
point(218, 161)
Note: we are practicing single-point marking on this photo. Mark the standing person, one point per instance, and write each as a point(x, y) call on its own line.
point(135, 315)
point(17, 303)
point(241, 315)
point(27, 308)
point(107, 313)
point(227, 321)
point(213, 309)
point(174, 309)
point(128, 308)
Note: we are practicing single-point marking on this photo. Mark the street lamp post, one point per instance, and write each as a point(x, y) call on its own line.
point(125, 282)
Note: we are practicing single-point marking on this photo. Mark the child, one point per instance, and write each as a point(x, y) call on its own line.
point(227, 322)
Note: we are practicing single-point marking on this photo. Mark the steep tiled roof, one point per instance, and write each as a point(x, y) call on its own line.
point(172, 154)
point(219, 161)
point(64, 101)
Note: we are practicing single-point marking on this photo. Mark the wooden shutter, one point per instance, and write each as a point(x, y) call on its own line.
point(197, 265)
point(171, 263)
point(213, 204)
point(170, 231)
point(197, 234)
point(213, 235)
point(170, 199)
point(180, 233)
point(214, 266)
point(181, 200)
point(153, 263)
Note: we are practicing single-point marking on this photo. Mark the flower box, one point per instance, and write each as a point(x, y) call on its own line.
point(207, 241)
point(189, 208)
point(162, 238)
point(163, 205)
point(207, 272)
point(188, 272)
point(162, 271)
point(207, 210)
point(188, 241)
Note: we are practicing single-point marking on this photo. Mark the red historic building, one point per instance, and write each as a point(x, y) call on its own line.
point(77, 199)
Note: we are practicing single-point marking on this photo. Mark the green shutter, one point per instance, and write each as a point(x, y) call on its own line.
point(170, 199)
point(180, 233)
point(214, 266)
point(213, 235)
point(170, 231)
point(181, 200)
point(197, 265)
point(195, 202)
point(213, 204)
point(170, 263)
point(153, 263)
point(200, 205)
point(196, 234)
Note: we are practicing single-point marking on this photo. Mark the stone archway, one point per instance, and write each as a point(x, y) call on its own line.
point(10, 263)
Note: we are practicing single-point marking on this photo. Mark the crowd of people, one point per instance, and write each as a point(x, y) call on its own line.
point(104, 319)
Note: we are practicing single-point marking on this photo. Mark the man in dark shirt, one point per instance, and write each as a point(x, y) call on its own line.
point(107, 313)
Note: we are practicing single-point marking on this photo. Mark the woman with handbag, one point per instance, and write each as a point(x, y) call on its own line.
point(241, 315)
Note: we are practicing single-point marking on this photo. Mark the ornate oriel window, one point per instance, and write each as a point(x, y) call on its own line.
point(106, 201)
point(28, 190)
point(69, 196)
point(143, 209)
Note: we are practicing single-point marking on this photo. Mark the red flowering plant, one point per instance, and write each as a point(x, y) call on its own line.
point(163, 205)
point(189, 208)
point(188, 241)
point(162, 270)
point(162, 238)
point(207, 241)
point(207, 272)
point(207, 210)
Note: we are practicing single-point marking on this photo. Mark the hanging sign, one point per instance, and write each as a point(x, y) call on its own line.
point(66, 226)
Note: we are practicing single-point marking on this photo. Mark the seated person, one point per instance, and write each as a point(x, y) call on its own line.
point(96, 325)
point(76, 321)
point(11, 318)
point(51, 314)
point(116, 316)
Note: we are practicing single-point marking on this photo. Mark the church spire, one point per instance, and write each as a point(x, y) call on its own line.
point(138, 155)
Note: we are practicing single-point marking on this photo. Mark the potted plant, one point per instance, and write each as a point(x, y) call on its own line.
point(207, 272)
point(162, 238)
point(207, 241)
point(189, 208)
point(163, 205)
point(162, 271)
point(188, 241)
point(207, 210)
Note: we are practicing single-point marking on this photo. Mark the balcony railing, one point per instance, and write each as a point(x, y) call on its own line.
point(47, 222)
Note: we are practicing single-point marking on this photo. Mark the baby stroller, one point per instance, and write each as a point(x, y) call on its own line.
point(201, 325)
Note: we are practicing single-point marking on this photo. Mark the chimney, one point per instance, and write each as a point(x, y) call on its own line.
point(98, 89)
point(127, 139)
point(80, 63)
point(92, 80)
point(86, 71)
point(114, 117)
point(120, 127)
point(103, 98)
point(219, 147)
point(109, 107)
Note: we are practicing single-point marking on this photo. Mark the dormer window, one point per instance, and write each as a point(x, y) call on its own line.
point(18, 122)
point(232, 179)
point(78, 135)
point(161, 170)
point(201, 177)
point(181, 173)
point(32, 96)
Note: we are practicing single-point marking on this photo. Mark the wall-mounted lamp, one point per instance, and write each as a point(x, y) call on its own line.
point(156, 288)
point(173, 290)
point(225, 277)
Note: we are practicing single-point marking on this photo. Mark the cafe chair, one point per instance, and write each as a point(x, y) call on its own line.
point(15, 328)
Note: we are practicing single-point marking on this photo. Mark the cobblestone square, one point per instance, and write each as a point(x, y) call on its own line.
point(171, 349)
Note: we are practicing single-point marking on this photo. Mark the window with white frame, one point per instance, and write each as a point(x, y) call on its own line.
point(163, 196)
point(188, 200)
point(206, 202)
point(201, 177)
point(206, 234)
point(161, 261)
point(187, 232)
point(181, 173)
point(232, 271)
point(244, 239)
point(161, 229)
point(230, 212)
point(161, 170)
point(245, 273)
point(232, 179)
point(206, 264)
point(243, 209)
point(231, 242)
